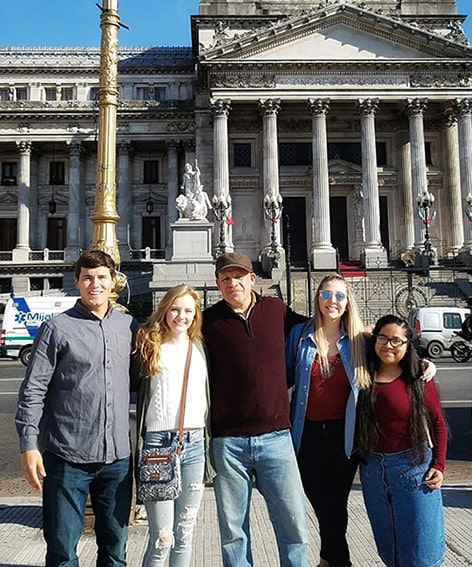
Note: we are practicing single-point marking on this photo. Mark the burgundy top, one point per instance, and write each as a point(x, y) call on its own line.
point(393, 409)
point(327, 397)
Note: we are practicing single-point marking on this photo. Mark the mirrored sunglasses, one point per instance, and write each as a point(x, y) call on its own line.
point(338, 295)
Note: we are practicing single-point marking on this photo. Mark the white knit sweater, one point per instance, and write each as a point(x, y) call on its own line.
point(166, 390)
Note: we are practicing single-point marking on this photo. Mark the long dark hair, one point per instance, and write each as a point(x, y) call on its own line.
point(368, 431)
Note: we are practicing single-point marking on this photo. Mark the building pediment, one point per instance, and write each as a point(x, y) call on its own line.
point(343, 167)
point(334, 32)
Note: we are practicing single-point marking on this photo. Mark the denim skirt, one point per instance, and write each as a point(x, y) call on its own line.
point(406, 517)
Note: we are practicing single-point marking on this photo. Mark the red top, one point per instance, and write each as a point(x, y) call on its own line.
point(393, 409)
point(327, 397)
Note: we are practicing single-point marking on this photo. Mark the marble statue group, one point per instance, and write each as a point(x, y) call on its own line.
point(193, 203)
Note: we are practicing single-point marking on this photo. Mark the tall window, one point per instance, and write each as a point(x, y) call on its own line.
point(151, 235)
point(21, 93)
point(93, 93)
point(56, 173)
point(4, 94)
point(151, 171)
point(50, 93)
point(56, 237)
point(242, 154)
point(9, 173)
point(67, 93)
point(8, 234)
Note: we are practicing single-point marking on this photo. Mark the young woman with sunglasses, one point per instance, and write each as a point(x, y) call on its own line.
point(326, 365)
point(402, 437)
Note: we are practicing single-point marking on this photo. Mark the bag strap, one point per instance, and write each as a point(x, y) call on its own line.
point(180, 435)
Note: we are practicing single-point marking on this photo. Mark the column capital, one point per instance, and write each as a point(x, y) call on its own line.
point(367, 106)
point(24, 148)
point(463, 106)
point(416, 106)
point(220, 107)
point(269, 106)
point(75, 148)
point(125, 147)
point(189, 145)
point(172, 145)
point(448, 119)
point(318, 106)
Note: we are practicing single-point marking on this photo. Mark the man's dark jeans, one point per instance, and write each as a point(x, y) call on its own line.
point(65, 491)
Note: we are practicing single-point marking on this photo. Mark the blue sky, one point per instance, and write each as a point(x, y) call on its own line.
point(77, 22)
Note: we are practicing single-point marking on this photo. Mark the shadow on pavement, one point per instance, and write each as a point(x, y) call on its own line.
point(28, 516)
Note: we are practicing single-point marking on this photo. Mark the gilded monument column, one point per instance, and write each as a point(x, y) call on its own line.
point(374, 254)
point(124, 198)
point(21, 251)
point(452, 184)
point(172, 188)
point(72, 250)
point(220, 109)
point(463, 109)
point(415, 109)
point(322, 251)
point(271, 234)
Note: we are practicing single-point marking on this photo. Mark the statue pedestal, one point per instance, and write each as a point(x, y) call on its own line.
point(191, 240)
point(191, 262)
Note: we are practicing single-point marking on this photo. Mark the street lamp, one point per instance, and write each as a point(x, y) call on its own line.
point(424, 204)
point(273, 211)
point(222, 212)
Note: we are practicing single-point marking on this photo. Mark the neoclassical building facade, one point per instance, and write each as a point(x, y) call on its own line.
point(318, 127)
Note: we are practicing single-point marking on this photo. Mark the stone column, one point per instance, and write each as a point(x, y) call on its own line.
point(322, 251)
point(452, 184)
point(21, 251)
point(172, 190)
point(405, 185)
point(72, 251)
point(374, 254)
point(272, 253)
point(463, 109)
point(125, 199)
point(415, 109)
point(220, 109)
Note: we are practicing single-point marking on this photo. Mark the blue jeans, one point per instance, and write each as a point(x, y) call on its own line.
point(406, 516)
point(65, 491)
point(172, 523)
point(269, 460)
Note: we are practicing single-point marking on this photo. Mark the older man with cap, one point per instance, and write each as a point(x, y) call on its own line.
point(245, 338)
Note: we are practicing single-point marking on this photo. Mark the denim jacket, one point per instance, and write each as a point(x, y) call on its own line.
point(300, 353)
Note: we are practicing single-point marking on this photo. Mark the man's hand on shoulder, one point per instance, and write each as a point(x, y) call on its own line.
point(32, 468)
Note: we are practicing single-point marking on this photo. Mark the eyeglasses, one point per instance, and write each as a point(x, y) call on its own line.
point(395, 342)
point(338, 295)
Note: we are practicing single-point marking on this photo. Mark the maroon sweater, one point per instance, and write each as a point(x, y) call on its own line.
point(392, 406)
point(246, 359)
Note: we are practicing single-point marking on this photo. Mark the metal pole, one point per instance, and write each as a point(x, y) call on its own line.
point(105, 215)
point(309, 288)
point(287, 263)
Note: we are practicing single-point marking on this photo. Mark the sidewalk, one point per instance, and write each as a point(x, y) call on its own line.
point(21, 542)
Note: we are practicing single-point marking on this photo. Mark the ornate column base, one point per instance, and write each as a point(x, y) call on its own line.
point(465, 256)
point(324, 258)
point(274, 266)
point(20, 254)
point(374, 258)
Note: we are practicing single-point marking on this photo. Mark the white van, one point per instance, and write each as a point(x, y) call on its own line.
point(435, 327)
point(22, 318)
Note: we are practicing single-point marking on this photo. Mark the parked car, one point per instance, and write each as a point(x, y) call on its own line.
point(436, 327)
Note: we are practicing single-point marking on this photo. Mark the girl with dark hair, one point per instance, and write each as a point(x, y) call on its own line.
point(402, 437)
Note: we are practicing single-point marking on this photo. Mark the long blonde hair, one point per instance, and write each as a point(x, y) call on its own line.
point(355, 331)
point(155, 330)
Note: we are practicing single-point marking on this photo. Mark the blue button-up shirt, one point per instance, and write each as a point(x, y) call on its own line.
point(74, 400)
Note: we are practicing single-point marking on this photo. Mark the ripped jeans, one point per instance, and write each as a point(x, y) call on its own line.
point(171, 523)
